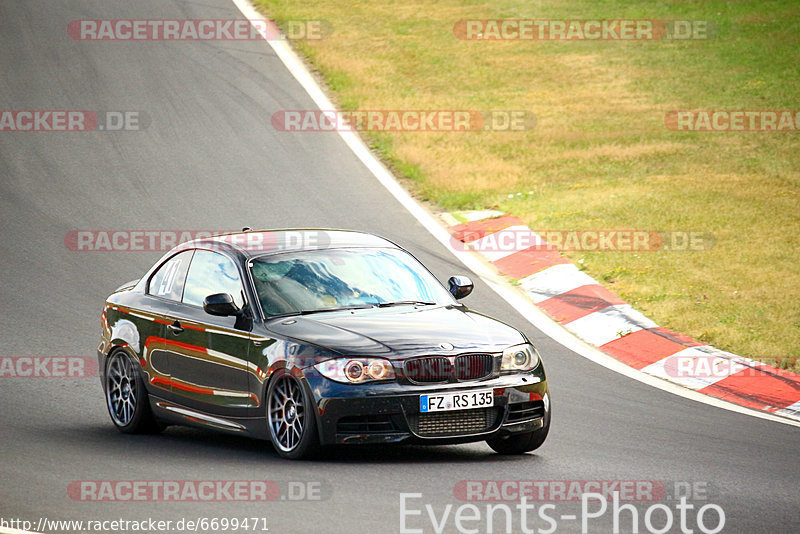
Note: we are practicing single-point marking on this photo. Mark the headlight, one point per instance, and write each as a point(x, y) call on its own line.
point(356, 370)
point(520, 358)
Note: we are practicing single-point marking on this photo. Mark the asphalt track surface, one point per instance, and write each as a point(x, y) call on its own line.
point(210, 160)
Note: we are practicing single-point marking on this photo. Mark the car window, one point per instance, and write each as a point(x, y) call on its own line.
point(325, 279)
point(210, 273)
point(168, 280)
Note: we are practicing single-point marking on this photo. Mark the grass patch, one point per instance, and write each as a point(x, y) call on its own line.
point(600, 156)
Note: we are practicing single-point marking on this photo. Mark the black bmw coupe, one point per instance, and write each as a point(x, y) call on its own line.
point(316, 337)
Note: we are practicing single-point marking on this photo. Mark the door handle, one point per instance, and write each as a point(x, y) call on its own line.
point(175, 327)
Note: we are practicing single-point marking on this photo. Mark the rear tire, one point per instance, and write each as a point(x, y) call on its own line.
point(126, 396)
point(291, 418)
point(519, 443)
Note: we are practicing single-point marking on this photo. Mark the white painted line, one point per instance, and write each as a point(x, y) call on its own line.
point(514, 298)
point(608, 324)
point(555, 280)
point(791, 411)
point(449, 219)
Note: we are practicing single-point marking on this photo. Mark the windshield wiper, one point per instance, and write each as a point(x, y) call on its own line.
point(357, 307)
point(323, 310)
point(405, 303)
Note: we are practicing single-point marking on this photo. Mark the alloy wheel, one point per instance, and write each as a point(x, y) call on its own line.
point(121, 390)
point(287, 413)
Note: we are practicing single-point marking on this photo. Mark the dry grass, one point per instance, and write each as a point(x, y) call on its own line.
point(600, 156)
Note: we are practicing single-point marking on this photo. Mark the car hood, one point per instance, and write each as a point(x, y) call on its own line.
point(401, 332)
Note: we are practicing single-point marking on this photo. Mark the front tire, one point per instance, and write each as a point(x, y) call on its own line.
point(290, 417)
point(126, 397)
point(519, 443)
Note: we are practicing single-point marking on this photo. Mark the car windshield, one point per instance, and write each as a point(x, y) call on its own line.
point(332, 279)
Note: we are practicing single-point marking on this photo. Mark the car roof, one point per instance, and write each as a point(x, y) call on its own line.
point(252, 243)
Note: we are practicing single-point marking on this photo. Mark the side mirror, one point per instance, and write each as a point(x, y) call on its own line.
point(460, 286)
point(220, 304)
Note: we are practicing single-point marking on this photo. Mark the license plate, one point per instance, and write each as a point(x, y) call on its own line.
point(464, 400)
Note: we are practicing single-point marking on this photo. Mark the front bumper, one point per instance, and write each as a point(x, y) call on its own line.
point(390, 412)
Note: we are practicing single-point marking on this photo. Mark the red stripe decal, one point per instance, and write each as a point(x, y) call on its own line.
point(173, 343)
point(166, 382)
point(180, 385)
